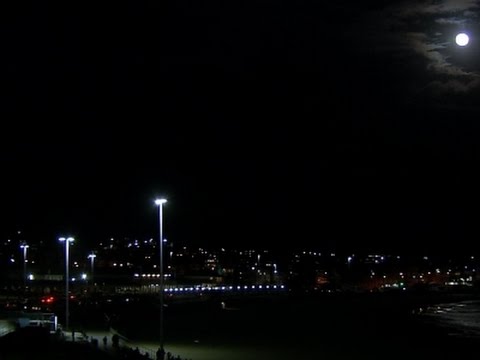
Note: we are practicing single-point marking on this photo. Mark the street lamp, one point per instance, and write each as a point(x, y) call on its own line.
point(159, 203)
point(24, 247)
point(92, 257)
point(67, 245)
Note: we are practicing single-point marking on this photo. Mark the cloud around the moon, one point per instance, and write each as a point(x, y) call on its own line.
point(422, 33)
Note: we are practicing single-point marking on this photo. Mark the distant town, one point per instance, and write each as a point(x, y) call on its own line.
point(132, 265)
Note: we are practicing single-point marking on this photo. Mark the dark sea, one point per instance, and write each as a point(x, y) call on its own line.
point(458, 319)
point(312, 327)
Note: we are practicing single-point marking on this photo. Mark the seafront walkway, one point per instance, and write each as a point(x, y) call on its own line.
point(103, 340)
point(98, 338)
point(6, 327)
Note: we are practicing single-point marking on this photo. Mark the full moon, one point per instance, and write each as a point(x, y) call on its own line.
point(462, 39)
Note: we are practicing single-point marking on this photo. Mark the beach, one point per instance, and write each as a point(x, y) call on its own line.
point(299, 327)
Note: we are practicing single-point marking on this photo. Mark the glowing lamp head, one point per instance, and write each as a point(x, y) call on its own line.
point(462, 39)
point(160, 201)
point(69, 239)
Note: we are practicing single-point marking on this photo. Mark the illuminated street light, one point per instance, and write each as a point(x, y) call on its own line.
point(67, 242)
point(92, 257)
point(24, 247)
point(159, 203)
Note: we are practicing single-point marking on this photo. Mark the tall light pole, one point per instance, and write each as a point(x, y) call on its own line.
point(92, 257)
point(159, 203)
point(67, 242)
point(24, 247)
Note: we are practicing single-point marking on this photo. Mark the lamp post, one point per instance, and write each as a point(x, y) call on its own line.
point(92, 257)
point(67, 242)
point(24, 247)
point(159, 203)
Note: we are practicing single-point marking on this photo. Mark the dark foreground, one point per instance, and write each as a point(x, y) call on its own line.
point(36, 343)
point(373, 326)
point(304, 327)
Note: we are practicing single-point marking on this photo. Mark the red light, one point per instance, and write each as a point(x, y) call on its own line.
point(47, 299)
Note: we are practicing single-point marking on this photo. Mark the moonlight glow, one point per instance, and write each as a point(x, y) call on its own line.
point(462, 39)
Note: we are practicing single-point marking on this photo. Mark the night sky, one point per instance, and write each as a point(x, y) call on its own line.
point(347, 125)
